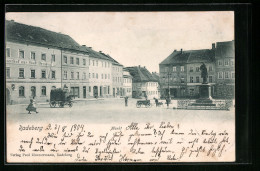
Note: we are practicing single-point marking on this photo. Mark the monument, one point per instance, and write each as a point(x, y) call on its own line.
point(205, 98)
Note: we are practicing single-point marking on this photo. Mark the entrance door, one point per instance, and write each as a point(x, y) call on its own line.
point(7, 96)
point(84, 92)
point(114, 92)
point(95, 91)
point(101, 92)
point(75, 92)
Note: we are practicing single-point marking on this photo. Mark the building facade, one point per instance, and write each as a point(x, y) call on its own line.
point(144, 85)
point(127, 83)
point(225, 69)
point(180, 74)
point(117, 75)
point(39, 60)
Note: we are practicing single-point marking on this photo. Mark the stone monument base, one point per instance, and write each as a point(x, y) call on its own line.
point(205, 96)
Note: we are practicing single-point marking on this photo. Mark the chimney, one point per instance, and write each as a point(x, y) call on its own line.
point(213, 46)
point(139, 66)
point(90, 47)
point(175, 50)
point(144, 66)
point(84, 45)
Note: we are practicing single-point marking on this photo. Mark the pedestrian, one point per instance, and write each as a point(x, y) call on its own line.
point(156, 101)
point(167, 102)
point(126, 101)
point(32, 106)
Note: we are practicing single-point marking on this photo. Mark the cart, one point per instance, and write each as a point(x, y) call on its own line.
point(60, 97)
point(145, 103)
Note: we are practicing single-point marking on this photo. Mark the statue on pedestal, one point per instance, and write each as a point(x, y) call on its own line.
point(204, 73)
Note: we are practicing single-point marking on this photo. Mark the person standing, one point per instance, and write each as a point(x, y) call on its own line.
point(126, 101)
point(32, 106)
point(156, 101)
point(167, 102)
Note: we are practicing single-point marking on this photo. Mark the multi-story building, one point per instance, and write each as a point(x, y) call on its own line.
point(225, 69)
point(127, 83)
point(39, 60)
point(180, 74)
point(173, 74)
point(34, 63)
point(117, 75)
point(144, 84)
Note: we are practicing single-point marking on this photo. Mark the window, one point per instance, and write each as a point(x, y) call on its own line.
point(97, 75)
point(32, 73)
point(43, 91)
point(71, 60)
point(65, 74)
point(53, 76)
point(32, 55)
point(43, 74)
point(7, 72)
point(174, 69)
point(182, 68)
point(21, 54)
point(77, 75)
point(43, 58)
point(197, 69)
point(8, 52)
point(226, 75)
point(77, 61)
point(105, 76)
point(191, 69)
point(226, 62)
point(21, 73)
point(65, 59)
point(191, 79)
point(220, 62)
point(210, 79)
point(84, 75)
point(197, 79)
point(233, 75)
point(53, 58)
point(220, 75)
point(96, 63)
point(182, 79)
point(89, 75)
point(89, 63)
point(72, 75)
point(210, 68)
point(232, 62)
point(33, 91)
point(93, 63)
point(84, 61)
point(21, 91)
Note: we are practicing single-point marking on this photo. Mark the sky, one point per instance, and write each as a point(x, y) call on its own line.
point(137, 38)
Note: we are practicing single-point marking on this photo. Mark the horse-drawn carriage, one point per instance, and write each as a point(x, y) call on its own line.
point(60, 97)
point(145, 103)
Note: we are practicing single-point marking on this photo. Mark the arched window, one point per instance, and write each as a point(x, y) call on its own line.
point(33, 91)
point(21, 91)
point(43, 91)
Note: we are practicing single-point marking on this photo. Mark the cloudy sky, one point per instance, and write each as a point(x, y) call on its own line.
point(137, 38)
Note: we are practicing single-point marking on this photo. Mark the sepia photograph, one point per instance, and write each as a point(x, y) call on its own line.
point(120, 87)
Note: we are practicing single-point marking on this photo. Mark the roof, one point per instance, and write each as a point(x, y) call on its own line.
point(26, 33)
point(190, 56)
point(141, 74)
point(225, 49)
point(21, 32)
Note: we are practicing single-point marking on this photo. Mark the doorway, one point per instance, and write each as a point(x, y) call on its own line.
point(95, 91)
point(84, 92)
point(8, 100)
